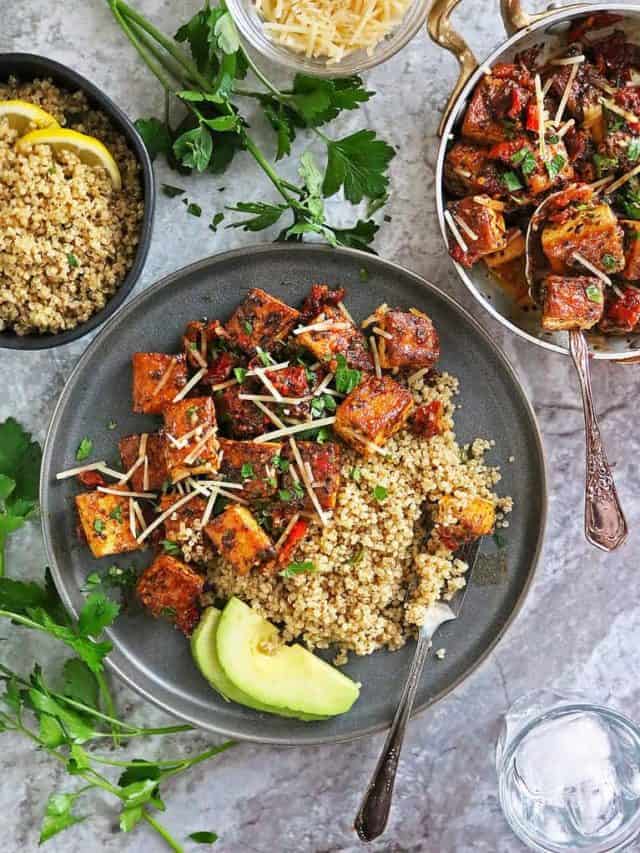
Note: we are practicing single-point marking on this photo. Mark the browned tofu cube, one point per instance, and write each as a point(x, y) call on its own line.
point(253, 465)
point(322, 462)
point(571, 303)
point(261, 321)
point(590, 229)
point(631, 249)
point(555, 170)
point(512, 251)
point(131, 448)
point(340, 337)
point(183, 524)
point(240, 539)
point(485, 230)
point(490, 106)
point(413, 341)
point(157, 378)
point(373, 412)
point(459, 521)
point(171, 589)
point(240, 418)
point(191, 446)
point(468, 170)
point(105, 523)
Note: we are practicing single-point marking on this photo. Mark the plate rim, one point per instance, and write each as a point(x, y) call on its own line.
point(248, 252)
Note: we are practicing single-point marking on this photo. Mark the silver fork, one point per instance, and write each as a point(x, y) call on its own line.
point(373, 814)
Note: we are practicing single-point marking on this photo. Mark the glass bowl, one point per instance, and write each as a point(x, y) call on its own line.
point(250, 25)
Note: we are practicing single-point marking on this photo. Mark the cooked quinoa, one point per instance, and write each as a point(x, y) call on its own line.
point(67, 238)
point(377, 568)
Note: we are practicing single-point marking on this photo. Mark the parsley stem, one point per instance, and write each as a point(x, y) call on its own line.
point(159, 828)
point(261, 77)
point(109, 704)
point(148, 58)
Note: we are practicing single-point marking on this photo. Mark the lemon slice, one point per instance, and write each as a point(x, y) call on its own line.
point(90, 150)
point(22, 115)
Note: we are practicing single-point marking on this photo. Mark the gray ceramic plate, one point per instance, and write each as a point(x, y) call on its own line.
point(153, 658)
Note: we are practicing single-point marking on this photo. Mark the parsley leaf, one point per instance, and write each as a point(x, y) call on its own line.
point(97, 614)
point(633, 151)
point(247, 472)
point(346, 378)
point(20, 459)
point(194, 209)
point(294, 569)
point(58, 815)
point(525, 158)
point(604, 164)
point(594, 294)
point(170, 547)
point(155, 135)
point(172, 192)
point(555, 165)
point(358, 163)
point(240, 373)
point(511, 181)
point(72, 260)
point(193, 148)
point(380, 493)
point(80, 683)
point(609, 262)
point(203, 837)
point(84, 449)
point(265, 215)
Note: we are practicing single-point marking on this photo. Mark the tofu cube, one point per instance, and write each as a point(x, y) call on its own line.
point(413, 343)
point(468, 170)
point(489, 106)
point(240, 418)
point(512, 251)
point(130, 450)
point(539, 180)
point(105, 523)
point(261, 321)
point(571, 303)
point(191, 446)
point(240, 539)
point(324, 463)
point(157, 378)
point(253, 465)
point(458, 522)
point(374, 411)
point(170, 589)
point(487, 226)
point(631, 249)
point(184, 523)
point(593, 231)
point(341, 338)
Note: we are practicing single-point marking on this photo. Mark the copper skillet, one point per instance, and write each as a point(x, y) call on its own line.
point(605, 526)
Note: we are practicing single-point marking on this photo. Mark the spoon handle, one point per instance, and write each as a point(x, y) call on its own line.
point(604, 522)
point(373, 814)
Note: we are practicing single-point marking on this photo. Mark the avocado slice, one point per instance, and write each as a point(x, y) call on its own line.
point(203, 649)
point(282, 677)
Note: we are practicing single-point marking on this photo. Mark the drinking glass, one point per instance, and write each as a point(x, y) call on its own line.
point(569, 774)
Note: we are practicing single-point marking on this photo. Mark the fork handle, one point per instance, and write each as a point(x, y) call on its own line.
point(373, 814)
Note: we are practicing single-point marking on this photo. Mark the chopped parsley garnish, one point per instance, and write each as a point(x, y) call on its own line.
point(322, 403)
point(633, 151)
point(380, 493)
point(98, 525)
point(84, 449)
point(364, 274)
point(322, 435)
point(217, 219)
point(192, 412)
point(194, 209)
point(604, 164)
point(609, 262)
point(112, 425)
point(116, 513)
point(72, 260)
point(555, 165)
point(265, 358)
point(346, 378)
point(594, 294)
point(240, 373)
point(525, 159)
point(630, 200)
point(171, 547)
point(285, 495)
point(298, 489)
point(356, 475)
point(247, 472)
point(172, 192)
point(357, 557)
point(298, 569)
point(247, 326)
point(499, 539)
point(511, 181)
point(271, 482)
point(168, 612)
point(281, 463)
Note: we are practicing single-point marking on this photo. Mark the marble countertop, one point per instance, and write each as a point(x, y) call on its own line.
point(578, 629)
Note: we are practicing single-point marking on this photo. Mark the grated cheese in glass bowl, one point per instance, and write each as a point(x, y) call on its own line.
point(328, 38)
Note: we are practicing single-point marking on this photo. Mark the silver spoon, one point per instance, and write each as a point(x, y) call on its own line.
point(373, 813)
point(604, 523)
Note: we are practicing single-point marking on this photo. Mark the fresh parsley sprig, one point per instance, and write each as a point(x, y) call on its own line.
point(20, 458)
point(208, 84)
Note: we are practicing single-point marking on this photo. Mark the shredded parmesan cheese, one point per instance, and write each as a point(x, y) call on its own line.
point(269, 436)
point(206, 515)
point(614, 108)
point(373, 344)
point(330, 29)
point(285, 533)
point(71, 472)
point(325, 326)
point(322, 386)
point(565, 94)
point(493, 203)
point(565, 127)
point(138, 513)
point(463, 225)
point(275, 420)
point(540, 103)
point(132, 519)
point(344, 310)
point(164, 378)
point(417, 375)
point(307, 482)
point(193, 455)
point(190, 384)
point(222, 385)
point(454, 230)
point(126, 494)
point(586, 263)
point(293, 401)
point(378, 331)
point(145, 474)
point(126, 477)
point(569, 60)
point(197, 357)
point(623, 180)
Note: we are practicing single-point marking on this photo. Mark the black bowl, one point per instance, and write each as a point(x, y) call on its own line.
point(27, 66)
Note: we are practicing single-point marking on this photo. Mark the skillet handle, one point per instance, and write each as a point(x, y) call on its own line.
point(442, 33)
point(515, 18)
